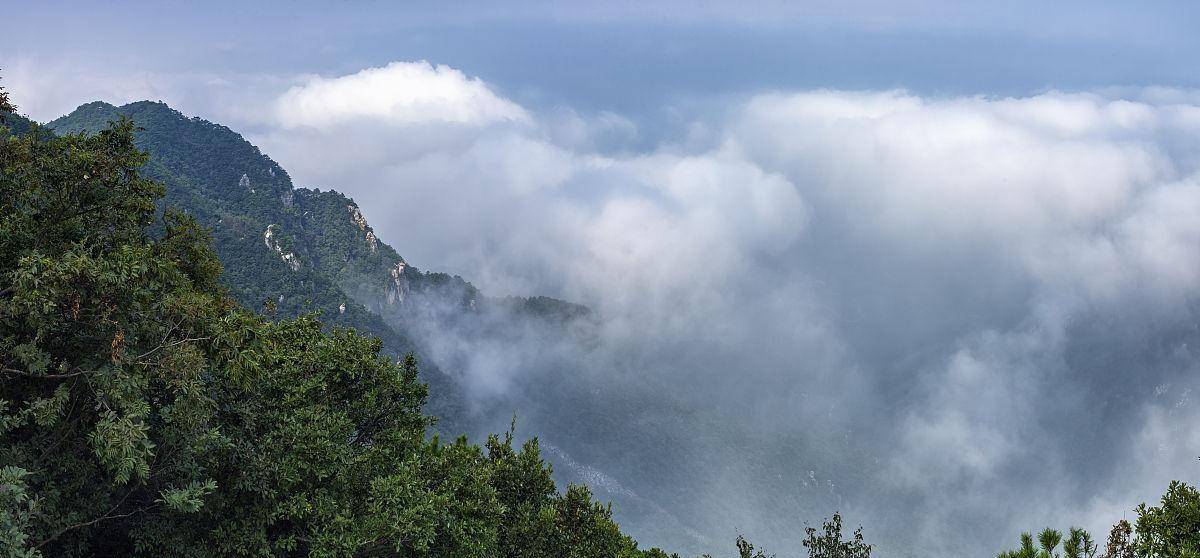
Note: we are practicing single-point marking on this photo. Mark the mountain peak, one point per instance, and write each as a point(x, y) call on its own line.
point(96, 105)
point(150, 106)
point(94, 116)
point(83, 117)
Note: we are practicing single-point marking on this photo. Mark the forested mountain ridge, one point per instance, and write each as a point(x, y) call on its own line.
point(143, 412)
point(246, 199)
point(290, 250)
point(17, 124)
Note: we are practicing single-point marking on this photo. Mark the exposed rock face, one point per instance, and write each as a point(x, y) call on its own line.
point(287, 198)
point(342, 308)
point(357, 217)
point(244, 182)
point(399, 286)
point(270, 238)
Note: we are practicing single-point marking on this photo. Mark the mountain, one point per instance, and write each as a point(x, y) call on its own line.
point(143, 412)
point(249, 203)
point(291, 251)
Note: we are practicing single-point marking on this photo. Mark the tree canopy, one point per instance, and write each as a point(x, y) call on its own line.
point(143, 412)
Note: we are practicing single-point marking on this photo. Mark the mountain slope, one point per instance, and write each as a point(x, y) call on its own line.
point(243, 196)
point(292, 250)
point(17, 124)
point(145, 413)
point(604, 423)
point(275, 252)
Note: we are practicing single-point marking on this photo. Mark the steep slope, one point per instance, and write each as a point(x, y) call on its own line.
point(291, 250)
point(275, 254)
point(244, 197)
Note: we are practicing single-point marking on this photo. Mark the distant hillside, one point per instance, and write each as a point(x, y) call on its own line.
point(17, 123)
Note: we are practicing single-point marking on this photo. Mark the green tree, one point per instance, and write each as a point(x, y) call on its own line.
point(538, 522)
point(824, 543)
point(1172, 528)
point(525, 488)
point(1120, 544)
point(5, 106)
point(1078, 544)
point(583, 528)
point(828, 543)
point(99, 327)
point(144, 413)
point(1049, 539)
point(746, 550)
point(1026, 550)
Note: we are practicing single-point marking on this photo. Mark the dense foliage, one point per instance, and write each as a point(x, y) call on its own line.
point(144, 412)
point(1169, 530)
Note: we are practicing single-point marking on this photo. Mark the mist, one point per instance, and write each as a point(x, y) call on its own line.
point(952, 318)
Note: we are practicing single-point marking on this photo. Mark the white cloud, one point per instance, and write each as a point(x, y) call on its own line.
point(1037, 215)
point(917, 274)
point(996, 169)
point(45, 90)
point(400, 93)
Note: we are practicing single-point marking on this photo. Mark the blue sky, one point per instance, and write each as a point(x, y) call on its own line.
point(631, 59)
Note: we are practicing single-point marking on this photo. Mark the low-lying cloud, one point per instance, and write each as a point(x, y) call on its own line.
point(957, 288)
